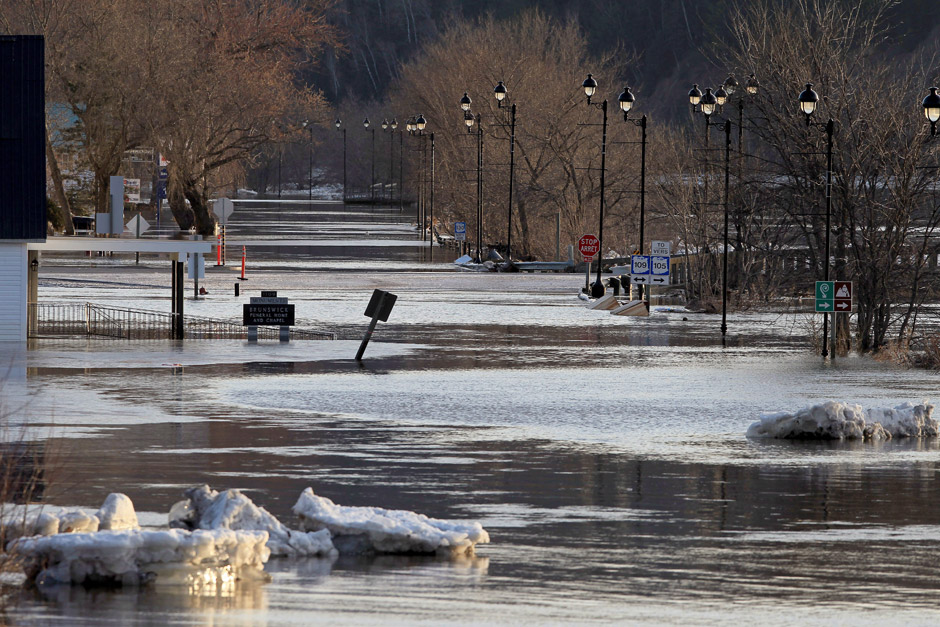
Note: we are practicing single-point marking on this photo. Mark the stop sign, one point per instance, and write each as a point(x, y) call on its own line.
point(589, 246)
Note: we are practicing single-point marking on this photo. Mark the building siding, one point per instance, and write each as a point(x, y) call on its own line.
point(13, 277)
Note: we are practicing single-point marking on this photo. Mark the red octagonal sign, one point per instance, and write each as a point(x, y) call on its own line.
point(589, 246)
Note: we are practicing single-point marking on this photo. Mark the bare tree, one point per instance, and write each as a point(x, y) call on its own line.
point(558, 138)
point(884, 215)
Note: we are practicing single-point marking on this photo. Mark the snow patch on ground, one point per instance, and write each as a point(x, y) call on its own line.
point(833, 420)
point(373, 529)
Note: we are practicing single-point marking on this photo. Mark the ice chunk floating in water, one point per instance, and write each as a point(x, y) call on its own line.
point(204, 508)
point(134, 557)
point(843, 421)
point(373, 529)
point(123, 554)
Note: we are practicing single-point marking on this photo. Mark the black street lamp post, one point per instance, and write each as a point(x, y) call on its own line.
point(500, 92)
point(309, 126)
point(708, 103)
point(365, 123)
point(809, 100)
point(339, 125)
point(590, 86)
point(627, 100)
point(469, 119)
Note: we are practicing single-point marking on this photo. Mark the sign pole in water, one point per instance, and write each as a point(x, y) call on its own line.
point(379, 308)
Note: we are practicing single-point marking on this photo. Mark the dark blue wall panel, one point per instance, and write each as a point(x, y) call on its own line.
point(22, 138)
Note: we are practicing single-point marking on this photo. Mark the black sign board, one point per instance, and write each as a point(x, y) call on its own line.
point(380, 305)
point(268, 315)
point(268, 294)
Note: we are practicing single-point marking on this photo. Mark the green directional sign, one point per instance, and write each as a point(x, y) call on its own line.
point(825, 296)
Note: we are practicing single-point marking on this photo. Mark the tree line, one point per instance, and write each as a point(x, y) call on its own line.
point(220, 87)
point(205, 83)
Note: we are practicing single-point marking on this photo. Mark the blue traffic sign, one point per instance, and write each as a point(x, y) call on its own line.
point(659, 265)
point(640, 264)
point(460, 231)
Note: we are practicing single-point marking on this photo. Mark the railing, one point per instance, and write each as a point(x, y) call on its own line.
point(56, 320)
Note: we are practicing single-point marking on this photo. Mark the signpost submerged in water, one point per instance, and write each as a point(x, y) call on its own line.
point(379, 308)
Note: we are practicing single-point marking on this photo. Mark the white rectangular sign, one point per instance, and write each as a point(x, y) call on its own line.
point(196, 266)
point(658, 247)
point(640, 279)
point(132, 190)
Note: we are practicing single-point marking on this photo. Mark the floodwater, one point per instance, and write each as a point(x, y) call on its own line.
point(606, 456)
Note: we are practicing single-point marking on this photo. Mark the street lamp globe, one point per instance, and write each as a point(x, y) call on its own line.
point(590, 86)
point(338, 123)
point(721, 95)
point(465, 102)
point(695, 95)
point(626, 100)
point(468, 120)
point(366, 123)
point(731, 84)
point(410, 125)
point(385, 124)
point(394, 124)
point(932, 106)
point(752, 85)
point(708, 102)
point(808, 100)
point(421, 122)
point(500, 92)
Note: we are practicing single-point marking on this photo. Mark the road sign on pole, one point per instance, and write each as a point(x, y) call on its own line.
point(589, 247)
point(640, 270)
point(842, 299)
point(460, 231)
point(223, 208)
point(659, 270)
point(824, 296)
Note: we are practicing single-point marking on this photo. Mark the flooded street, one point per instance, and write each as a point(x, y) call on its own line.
point(606, 456)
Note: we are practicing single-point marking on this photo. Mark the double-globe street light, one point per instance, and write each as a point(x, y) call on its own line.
point(390, 127)
point(500, 93)
point(416, 126)
point(708, 104)
point(626, 101)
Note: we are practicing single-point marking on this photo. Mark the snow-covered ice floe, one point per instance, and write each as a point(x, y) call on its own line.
point(373, 529)
point(109, 548)
point(833, 420)
point(135, 557)
point(205, 508)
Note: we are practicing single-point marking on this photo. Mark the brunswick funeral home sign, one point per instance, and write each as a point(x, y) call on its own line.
point(268, 310)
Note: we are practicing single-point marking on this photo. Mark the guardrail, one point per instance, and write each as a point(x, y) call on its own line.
point(89, 319)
